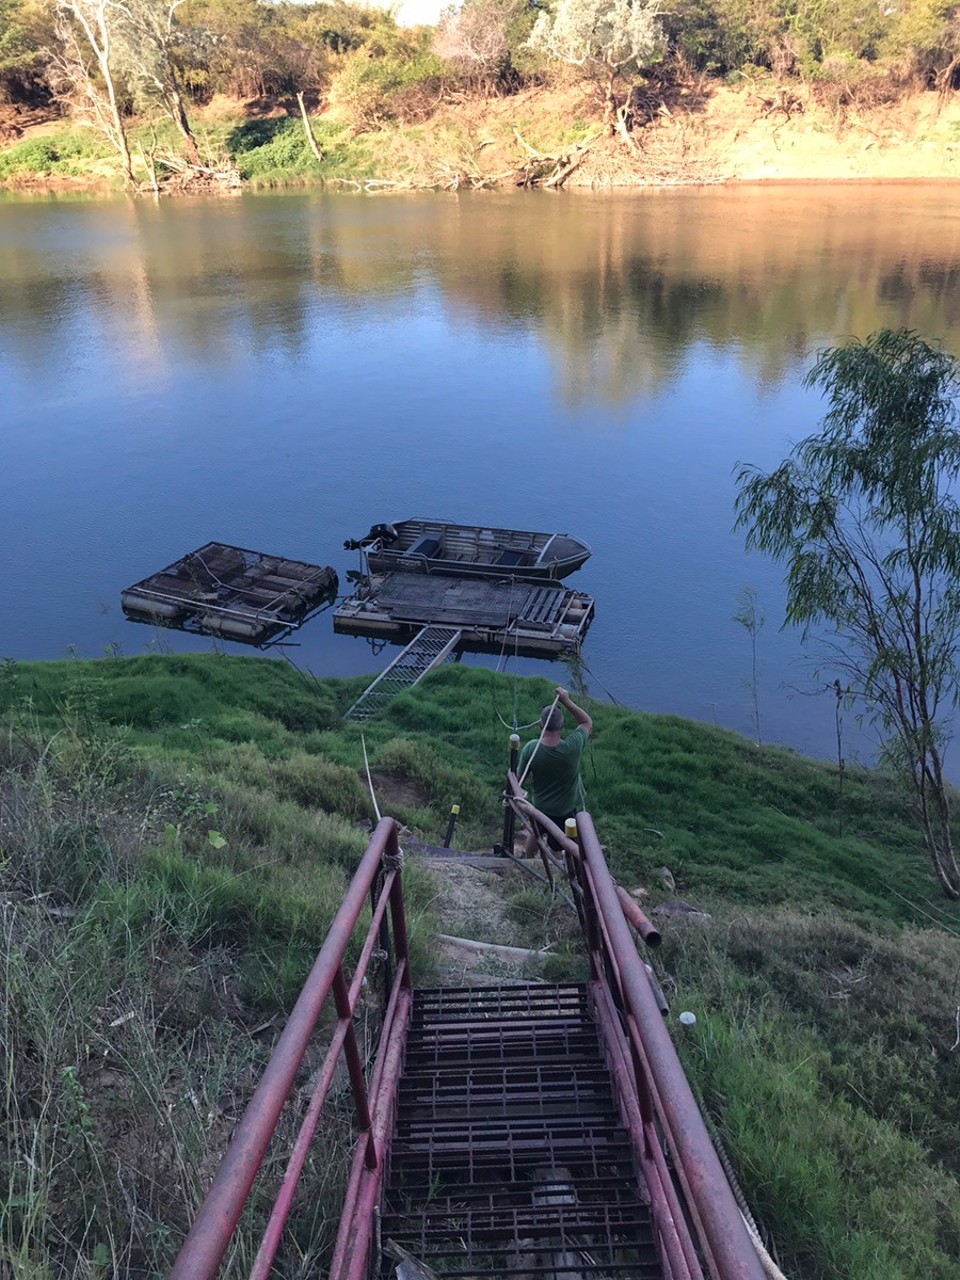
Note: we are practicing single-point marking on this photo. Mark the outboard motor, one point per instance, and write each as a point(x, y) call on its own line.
point(385, 534)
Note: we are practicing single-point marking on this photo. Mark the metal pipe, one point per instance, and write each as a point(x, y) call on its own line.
point(393, 1034)
point(646, 929)
point(509, 816)
point(663, 1200)
point(213, 1226)
point(726, 1235)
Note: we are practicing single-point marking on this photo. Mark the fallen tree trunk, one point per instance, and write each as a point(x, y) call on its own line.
point(540, 169)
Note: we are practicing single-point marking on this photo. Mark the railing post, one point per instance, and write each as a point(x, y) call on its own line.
point(509, 817)
point(358, 1082)
point(393, 860)
point(451, 825)
point(383, 935)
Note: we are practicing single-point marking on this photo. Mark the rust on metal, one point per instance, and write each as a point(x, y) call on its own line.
point(509, 1158)
point(726, 1236)
point(207, 1241)
point(232, 592)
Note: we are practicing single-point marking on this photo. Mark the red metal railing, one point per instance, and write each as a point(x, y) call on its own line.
point(378, 874)
point(657, 1103)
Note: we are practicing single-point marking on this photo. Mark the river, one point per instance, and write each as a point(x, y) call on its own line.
point(281, 371)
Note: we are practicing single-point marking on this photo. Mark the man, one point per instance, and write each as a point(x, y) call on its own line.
point(554, 776)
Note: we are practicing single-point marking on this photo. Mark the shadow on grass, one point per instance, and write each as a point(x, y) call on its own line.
point(257, 133)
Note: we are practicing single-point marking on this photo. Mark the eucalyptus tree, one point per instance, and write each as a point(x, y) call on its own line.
point(865, 518)
point(148, 43)
point(86, 73)
point(606, 38)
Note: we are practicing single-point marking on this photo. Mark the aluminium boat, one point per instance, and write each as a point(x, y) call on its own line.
point(468, 551)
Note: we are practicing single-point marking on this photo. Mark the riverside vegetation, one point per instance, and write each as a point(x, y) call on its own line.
point(200, 94)
point(177, 831)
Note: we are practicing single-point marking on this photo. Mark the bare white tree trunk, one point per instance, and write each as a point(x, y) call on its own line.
point(91, 18)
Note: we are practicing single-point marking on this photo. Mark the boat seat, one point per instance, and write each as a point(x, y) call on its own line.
point(427, 547)
point(512, 558)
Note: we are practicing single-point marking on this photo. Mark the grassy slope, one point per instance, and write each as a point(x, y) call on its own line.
point(202, 814)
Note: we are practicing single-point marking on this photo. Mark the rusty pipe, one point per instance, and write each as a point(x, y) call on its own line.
point(647, 930)
point(207, 1240)
point(726, 1235)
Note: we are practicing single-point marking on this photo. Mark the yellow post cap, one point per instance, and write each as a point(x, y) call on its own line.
point(570, 828)
point(454, 808)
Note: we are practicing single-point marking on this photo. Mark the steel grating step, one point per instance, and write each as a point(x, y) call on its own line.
point(509, 1158)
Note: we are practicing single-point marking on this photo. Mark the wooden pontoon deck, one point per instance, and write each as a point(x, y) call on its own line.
point(532, 620)
point(232, 592)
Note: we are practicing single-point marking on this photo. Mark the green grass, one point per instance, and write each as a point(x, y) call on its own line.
point(201, 815)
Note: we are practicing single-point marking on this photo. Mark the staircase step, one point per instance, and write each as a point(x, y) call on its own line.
point(509, 1157)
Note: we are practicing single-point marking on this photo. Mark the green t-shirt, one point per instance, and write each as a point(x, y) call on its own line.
point(554, 777)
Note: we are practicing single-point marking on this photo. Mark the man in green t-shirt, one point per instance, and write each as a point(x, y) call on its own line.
point(554, 776)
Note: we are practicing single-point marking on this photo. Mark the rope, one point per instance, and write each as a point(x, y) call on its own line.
point(393, 861)
point(590, 672)
point(771, 1269)
point(543, 729)
point(514, 728)
point(373, 796)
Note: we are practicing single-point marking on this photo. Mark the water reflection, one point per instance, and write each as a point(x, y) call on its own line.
point(617, 288)
point(280, 371)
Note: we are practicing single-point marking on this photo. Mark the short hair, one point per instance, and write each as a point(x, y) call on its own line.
point(551, 718)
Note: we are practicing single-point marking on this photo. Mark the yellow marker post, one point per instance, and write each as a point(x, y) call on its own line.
point(454, 810)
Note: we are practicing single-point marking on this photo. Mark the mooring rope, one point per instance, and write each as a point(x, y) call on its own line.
point(545, 720)
point(366, 765)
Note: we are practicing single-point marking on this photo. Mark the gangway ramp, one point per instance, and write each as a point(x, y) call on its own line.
point(428, 649)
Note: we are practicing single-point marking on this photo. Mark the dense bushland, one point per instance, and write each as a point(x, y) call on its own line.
point(134, 72)
point(176, 832)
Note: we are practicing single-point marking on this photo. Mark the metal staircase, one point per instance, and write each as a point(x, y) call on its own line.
point(428, 649)
point(509, 1157)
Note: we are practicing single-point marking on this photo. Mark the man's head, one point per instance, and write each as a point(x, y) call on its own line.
point(551, 719)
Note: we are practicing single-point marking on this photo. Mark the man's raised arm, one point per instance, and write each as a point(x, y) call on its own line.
point(578, 713)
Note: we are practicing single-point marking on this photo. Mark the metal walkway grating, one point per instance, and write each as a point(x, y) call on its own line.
point(509, 1158)
point(428, 649)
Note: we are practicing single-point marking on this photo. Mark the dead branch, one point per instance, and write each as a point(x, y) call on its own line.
point(550, 171)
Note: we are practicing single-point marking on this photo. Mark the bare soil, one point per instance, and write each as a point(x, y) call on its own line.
point(701, 133)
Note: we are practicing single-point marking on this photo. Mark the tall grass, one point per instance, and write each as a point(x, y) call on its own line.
point(176, 833)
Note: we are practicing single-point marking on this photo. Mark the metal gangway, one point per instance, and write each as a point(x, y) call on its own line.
point(523, 1130)
point(429, 648)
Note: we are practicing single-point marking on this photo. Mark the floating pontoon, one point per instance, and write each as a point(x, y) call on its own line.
point(232, 592)
point(490, 615)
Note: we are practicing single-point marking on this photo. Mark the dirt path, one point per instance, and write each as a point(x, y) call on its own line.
point(488, 906)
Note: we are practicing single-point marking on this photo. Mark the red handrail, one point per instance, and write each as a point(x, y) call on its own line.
point(210, 1235)
point(710, 1199)
point(646, 1068)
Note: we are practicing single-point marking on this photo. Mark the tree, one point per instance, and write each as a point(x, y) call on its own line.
point(147, 41)
point(864, 517)
point(605, 38)
point(474, 39)
point(85, 68)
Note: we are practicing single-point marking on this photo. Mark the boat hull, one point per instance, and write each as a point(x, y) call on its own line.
point(471, 551)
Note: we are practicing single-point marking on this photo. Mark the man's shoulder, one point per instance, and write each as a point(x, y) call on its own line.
point(577, 739)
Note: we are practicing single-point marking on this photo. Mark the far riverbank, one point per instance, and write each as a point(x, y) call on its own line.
point(712, 133)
